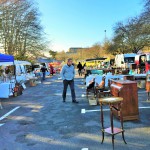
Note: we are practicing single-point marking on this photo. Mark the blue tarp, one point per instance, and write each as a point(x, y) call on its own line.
point(6, 58)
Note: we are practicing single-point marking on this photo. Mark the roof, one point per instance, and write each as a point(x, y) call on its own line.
point(22, 62)
point(44, 60)
point(6, 58)
point(93, 59)
point(130, 55)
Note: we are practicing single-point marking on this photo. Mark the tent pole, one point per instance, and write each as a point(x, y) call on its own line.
point(1, 104)
point(14, 70)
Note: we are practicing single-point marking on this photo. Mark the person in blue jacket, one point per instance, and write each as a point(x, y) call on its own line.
point(68, 74)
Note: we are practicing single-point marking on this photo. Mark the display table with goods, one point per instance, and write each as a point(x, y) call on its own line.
point(33, 81)
point(6, 89)
point(140, 76)
point(21, 78)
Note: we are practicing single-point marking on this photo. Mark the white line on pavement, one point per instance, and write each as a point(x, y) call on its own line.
point(141, 92)
point(7, 114)
point(84, 149)
point(1, 124)
point(83, 111)
point(144, 107)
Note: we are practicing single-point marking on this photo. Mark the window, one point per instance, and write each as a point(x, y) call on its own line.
point(129, 59)
point(148, 57)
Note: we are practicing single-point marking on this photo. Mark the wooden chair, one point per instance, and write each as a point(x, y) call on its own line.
point(91, 89)
point(102, 91)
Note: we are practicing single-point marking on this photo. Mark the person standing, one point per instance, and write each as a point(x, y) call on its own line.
point(79, 66)
point(148, 84)
point(8, 73)
point(43, 70)
point(51, 70)
point(67, 74)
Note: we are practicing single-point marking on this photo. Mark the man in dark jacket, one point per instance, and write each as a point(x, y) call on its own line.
point(43, 70)
point(79, 66)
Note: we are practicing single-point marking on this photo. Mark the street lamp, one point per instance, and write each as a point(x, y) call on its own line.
point(105, 35)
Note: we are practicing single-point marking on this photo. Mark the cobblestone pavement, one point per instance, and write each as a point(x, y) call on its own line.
point(44, 122)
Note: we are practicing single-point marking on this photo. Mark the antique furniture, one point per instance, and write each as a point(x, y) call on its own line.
point(114, 103)
point(129, 92)
point(129, 77)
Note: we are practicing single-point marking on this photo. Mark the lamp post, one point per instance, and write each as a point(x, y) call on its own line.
point(105, 35)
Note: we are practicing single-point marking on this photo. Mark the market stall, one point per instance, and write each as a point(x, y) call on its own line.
point(22, 75)
point(6, 86)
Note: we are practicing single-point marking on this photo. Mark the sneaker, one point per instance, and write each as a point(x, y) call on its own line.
point(75, 101)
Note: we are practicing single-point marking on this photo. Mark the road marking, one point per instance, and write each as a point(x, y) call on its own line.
point(1, 124)
point(84, 149)
point(83, 95)
point(83, 111)
point(7, 114)
point(141, 92)
point(144, 107)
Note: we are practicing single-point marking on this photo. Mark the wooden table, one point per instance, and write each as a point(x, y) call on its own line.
point(114, 103)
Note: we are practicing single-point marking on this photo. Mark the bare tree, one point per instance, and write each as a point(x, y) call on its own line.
point(21, 32)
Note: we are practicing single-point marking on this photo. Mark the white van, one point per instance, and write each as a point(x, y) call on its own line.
point(122, 59)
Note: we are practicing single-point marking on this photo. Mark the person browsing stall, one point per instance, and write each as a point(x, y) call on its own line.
point(79, 66)
point(43, 70)
point(68, 74)
point(148, 83)
point(7, 73)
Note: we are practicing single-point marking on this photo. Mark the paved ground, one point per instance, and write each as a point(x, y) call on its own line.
point(44, 122)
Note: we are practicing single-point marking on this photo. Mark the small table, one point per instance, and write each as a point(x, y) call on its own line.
point(114, 104)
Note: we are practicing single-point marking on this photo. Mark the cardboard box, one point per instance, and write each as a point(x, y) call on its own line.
point(92, 101)
point(32, 83)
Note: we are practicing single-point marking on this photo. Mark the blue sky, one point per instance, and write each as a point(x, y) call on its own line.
point(81, 23)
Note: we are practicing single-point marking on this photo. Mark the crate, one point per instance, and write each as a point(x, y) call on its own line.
point(92, 101)
point(141, 84)
point(32, 82)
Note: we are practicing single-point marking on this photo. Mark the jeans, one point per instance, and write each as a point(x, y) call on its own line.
point(43, 75)
point(80, 72)
point(71, 84)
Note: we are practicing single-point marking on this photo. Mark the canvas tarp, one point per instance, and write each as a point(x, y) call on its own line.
point(6, 59)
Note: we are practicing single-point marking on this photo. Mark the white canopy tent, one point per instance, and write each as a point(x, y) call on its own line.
point(18, 62)
point(6, 63)
point(5, 88)
point(20, 68)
